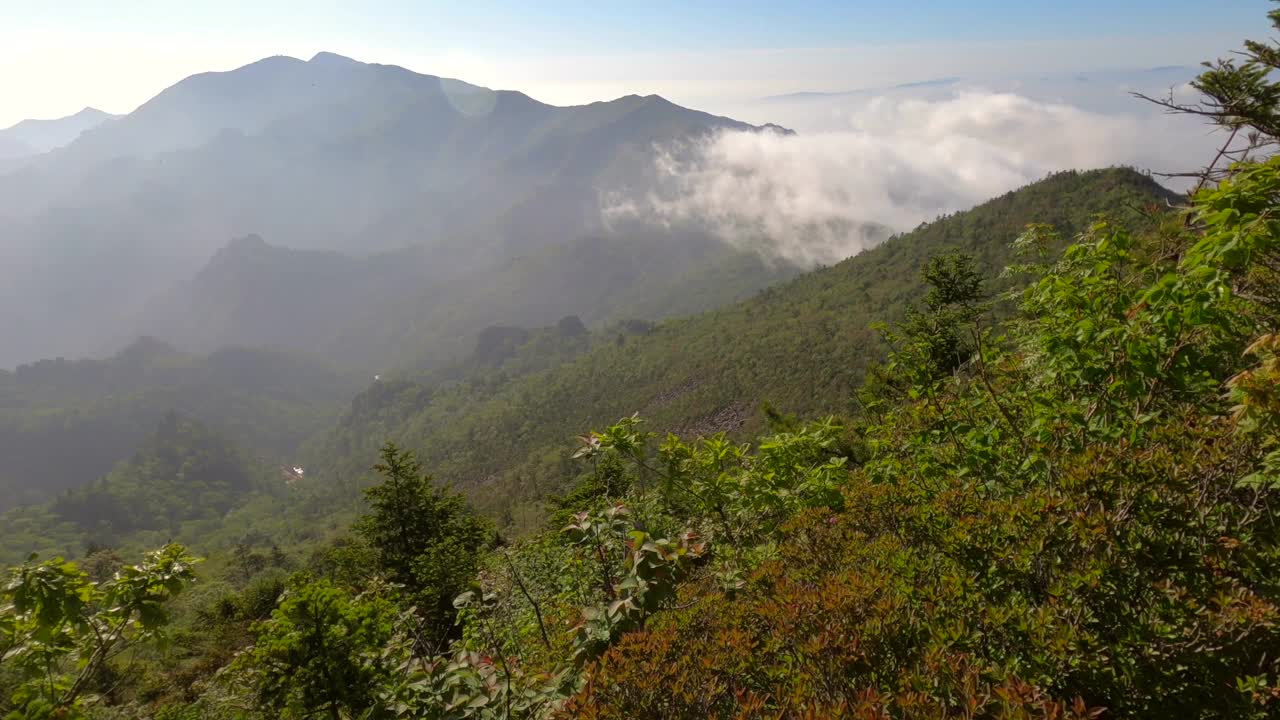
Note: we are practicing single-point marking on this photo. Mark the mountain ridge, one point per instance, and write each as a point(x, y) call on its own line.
point(33, 136)
point(327, 154)
point(803, 345)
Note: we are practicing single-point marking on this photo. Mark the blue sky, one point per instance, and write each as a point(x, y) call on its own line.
point(820, 23)
point(550, 25)
point(56, 57)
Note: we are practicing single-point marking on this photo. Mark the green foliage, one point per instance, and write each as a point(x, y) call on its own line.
point(1258, 410)
point(804, 345)
point(931, 341)
point(608, 479)
point(1054, 500)
point(747, 496)
point(651, 570)
point(264, 401)
point(182, 479)
point(426, 539)
point(1068, 523)
point(59, 629)
point(320, 653)
point(1070, 516)
point(698, 521)
point(468, 685)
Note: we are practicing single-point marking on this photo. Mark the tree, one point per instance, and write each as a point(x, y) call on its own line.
point(425, 538)
point(318, 653)
point(59, 629)
point(571, 326)
point(933, 342)
point(1241, 97)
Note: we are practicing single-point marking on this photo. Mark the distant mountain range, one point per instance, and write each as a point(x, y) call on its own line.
point(394, 309)
point(813, 95)
point(32, 137)
point(377, 165)
point(1106, 89)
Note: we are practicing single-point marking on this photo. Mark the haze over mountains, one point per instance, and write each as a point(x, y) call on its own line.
point(326, 155)
point(396, 214)
point(911, 389)
point(32, 137)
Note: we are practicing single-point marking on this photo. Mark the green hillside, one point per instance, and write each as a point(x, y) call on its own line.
point(66, 423)
point(179, 483)
point(803, 346)
point(498, 424)
point(1020, 463)
point(1058, 506)
point(394, 310)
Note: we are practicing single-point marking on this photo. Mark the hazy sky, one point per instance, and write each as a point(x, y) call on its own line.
point(57, 56)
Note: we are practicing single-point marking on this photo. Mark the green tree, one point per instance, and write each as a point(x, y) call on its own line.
point(1242, 97)
point(936, 340)
point(318, 654)
point(426, 539)
point(59, 629)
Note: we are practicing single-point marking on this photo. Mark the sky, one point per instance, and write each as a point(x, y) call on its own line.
point(58, 57)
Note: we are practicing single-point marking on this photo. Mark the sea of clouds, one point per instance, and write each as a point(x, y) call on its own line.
point(865, 165)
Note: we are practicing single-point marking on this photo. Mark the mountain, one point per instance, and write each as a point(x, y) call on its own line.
point(1021, 461)
point(181, 479)
point(498, 419)
point(31, 137)
point(181, 471)
point(328, 154)
point(390, 309)
point(803, 346)
point(12, 149)
point(502, 429)
point(256, 294)
point(66, 423)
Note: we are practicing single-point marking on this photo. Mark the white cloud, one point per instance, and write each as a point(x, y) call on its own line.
point(899, 160)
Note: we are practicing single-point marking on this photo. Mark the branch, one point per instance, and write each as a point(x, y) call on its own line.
point(537, 611)
point(986, 382)
point(1217, 158)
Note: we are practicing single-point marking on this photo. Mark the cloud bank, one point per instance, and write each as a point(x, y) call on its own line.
point(817, 198)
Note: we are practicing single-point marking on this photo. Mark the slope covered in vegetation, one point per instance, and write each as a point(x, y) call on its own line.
point(180, 483)
point(402, 309)
point(806, 345)
point(66, 423)
point(803, 346)
point(1069, 514)
point(1055, 501)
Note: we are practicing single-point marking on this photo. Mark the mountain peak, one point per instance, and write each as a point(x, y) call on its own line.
point(334, 59)
point(635, 97)
point(34, 136)
point(250, 242)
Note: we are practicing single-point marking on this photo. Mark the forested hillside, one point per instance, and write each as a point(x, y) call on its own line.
point(803, 346)
point(394, 310)
point(179, 483)
point(499, 424)
point(1021, 462)
point(66, 423)
point(1066, 515)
